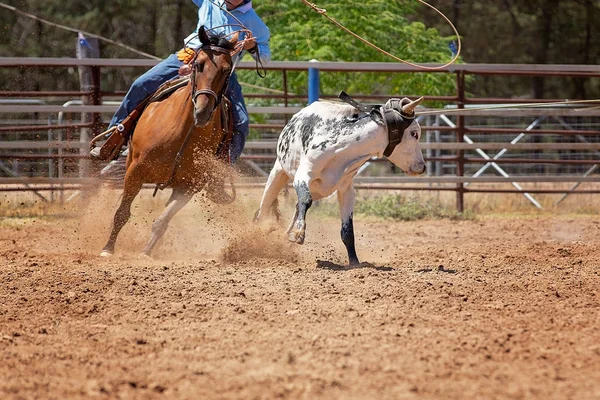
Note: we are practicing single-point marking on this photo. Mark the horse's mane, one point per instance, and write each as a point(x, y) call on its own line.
point(219, 39)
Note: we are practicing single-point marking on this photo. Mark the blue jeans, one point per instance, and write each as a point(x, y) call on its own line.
point(146, 85)
point(241, 123)
point(168, 69)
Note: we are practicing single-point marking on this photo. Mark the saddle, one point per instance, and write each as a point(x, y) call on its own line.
point(119, 135)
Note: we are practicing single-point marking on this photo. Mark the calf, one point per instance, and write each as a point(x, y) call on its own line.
point(322, 148)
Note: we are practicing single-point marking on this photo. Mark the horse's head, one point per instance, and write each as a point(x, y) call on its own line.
point(211, 71)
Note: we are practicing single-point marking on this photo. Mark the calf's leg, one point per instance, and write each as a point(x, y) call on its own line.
point(346, 198)
point(297, 231)
point(277, 180)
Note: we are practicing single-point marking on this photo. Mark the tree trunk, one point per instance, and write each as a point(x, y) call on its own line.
point(545, 26)
point(179, 22)
point(153, 28)
point(579, 83)
point(456, 16)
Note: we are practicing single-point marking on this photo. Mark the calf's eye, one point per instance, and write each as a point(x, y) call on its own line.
point(415, 134)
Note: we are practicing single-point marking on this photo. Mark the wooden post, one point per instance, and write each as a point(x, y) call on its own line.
point(89, 81)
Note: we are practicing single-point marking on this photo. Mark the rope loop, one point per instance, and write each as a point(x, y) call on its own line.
point(323, 12)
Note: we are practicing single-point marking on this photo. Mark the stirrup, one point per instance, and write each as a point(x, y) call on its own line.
point(215, 191)
point(111, 147)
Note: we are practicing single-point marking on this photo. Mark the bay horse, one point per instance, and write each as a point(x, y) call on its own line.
point(177, 139)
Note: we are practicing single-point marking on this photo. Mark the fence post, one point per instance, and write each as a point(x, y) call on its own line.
point(89, 80)
point(460, 138)
point(313, 83)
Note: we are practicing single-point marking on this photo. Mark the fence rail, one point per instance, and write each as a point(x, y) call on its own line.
point(464, 145)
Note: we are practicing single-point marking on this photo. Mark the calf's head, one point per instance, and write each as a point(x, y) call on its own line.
point(407, 155)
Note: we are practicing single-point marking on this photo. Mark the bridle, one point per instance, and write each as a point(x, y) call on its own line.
point(195, 93)
point(208, 91)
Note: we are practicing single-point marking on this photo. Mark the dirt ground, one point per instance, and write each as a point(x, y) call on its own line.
point(504, 307)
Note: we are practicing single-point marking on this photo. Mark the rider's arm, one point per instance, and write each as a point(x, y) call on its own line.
point(262, 35)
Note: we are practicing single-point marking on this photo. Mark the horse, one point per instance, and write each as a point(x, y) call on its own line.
point(177, 140)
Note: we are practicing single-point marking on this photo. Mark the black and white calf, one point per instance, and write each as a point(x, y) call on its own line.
point(323, 146)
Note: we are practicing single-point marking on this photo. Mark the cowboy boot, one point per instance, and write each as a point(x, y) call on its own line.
point(115, 139)
point(215, 191)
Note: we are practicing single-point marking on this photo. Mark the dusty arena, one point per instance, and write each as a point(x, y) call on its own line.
point(489, 307)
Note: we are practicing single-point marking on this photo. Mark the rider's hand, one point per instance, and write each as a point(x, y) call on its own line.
point(250, 43)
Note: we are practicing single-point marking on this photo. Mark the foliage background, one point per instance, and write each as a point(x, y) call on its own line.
point(493, 31)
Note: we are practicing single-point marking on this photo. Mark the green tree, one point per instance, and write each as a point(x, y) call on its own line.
point(301, 34)
point(526, 32)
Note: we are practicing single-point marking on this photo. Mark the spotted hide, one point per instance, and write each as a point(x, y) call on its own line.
point(322, 148)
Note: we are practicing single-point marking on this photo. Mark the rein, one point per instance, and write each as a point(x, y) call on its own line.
point(208, 91)
point(240, 44)
point(248, 35)
point(194, 95)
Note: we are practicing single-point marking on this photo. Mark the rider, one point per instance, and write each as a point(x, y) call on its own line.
point(225, 16)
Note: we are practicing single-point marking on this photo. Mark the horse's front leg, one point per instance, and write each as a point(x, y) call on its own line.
point(346, 198)
point(131, 188)
point(179, 198)
point(297, 231)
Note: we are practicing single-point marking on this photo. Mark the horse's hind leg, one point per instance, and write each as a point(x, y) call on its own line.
point(131, 188)
point(179, 198)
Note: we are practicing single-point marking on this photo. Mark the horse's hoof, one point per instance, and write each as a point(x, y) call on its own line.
point(144, 256)
point(106, 253)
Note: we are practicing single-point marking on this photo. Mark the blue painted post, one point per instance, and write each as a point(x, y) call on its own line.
point(313, 83)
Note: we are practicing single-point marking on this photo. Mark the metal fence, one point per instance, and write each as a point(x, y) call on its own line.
point(44, 134)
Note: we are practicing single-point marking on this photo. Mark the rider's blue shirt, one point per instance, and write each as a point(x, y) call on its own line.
point(211, 16)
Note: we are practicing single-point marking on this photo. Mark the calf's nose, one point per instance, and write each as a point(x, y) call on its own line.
point(418, 169)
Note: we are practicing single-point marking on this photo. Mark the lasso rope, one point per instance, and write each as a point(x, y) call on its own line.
point(244, 29)
point(521, 105)
point(77, 31)
point(240, 44)
point(323, 12)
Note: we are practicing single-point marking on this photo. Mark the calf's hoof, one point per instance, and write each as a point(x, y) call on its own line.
point(106, 253)
point(354, 263)
point(144, 256)
point(296, 236)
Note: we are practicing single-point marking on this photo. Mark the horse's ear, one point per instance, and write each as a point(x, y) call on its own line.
point(234, 38)
point(203, 36)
